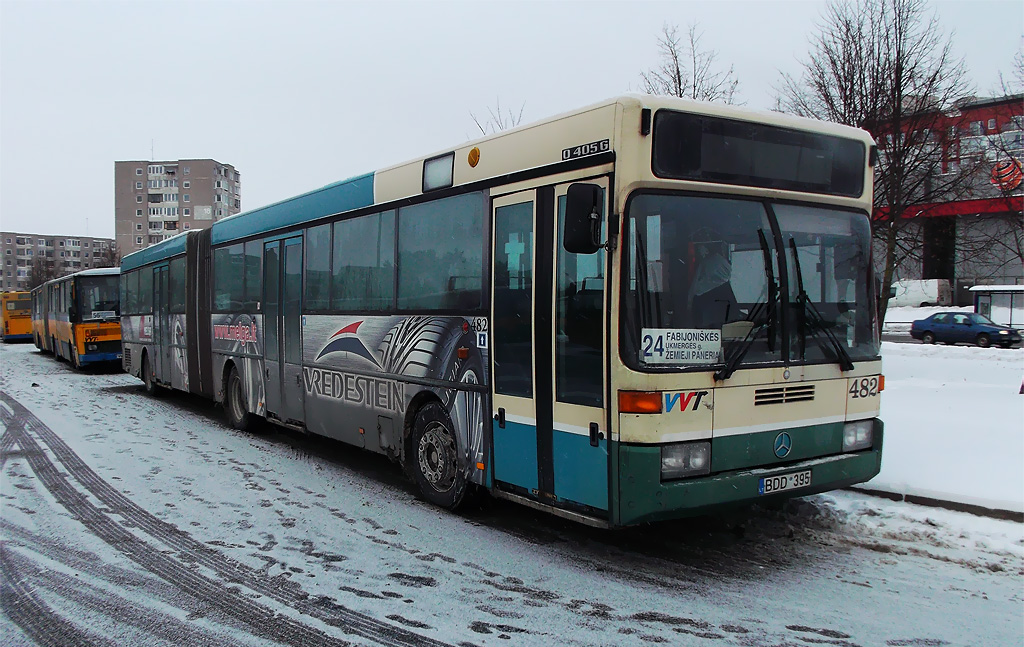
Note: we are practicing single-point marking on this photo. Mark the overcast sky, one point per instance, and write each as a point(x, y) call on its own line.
point(300, 94)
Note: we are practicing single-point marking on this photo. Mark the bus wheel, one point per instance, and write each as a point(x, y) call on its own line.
point(434, 459)
point(234, 402)
point(147, 377)
point(74, 358)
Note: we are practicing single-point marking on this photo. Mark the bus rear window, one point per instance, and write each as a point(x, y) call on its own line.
point(712, 149)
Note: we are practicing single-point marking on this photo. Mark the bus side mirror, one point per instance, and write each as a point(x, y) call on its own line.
point(582, 233)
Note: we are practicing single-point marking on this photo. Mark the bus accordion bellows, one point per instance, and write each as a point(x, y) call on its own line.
point(15, 316)
point(644, 309)
point(77, 317)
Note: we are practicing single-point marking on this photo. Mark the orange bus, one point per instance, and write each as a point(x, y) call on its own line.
point(16, 317)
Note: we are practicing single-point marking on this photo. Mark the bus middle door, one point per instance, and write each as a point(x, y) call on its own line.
point(282, 300)
point(161, 326)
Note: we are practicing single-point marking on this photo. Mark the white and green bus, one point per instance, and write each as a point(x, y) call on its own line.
point(644, 309)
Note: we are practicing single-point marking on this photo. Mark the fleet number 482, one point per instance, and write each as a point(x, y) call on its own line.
point(865, 387)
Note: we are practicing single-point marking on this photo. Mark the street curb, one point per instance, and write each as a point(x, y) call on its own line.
point(981, 511)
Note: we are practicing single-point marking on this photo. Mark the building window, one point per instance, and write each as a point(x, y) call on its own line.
point(186, 170)
point(138, 198)
point(138, 185)
point(218, 198)
point(185, 197)
point(138, 240)
point(186, 184)
point(991, 124)
point(138, 171)
point(185, 226)
point(138, 212)
point(186, 211)
point(138, 226)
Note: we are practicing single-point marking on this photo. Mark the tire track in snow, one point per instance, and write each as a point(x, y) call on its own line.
point(263, 621)
point(41, 623)
point(190, 549)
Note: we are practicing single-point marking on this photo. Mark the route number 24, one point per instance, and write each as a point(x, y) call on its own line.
point(865, 387)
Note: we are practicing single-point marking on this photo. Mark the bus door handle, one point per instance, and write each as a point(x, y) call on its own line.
point(595, 435)
point(500, 417)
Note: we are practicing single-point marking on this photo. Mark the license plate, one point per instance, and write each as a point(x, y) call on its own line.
point(784, 482)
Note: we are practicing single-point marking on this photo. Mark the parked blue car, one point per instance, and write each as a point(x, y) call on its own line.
point(966, 327)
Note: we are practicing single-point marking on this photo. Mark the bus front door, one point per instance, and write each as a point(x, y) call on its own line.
point(547, 343)
point(282, 300)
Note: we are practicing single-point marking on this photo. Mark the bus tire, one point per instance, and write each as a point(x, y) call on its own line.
point(147, 377)
point(234, 402)
point(74, 358)
point(433, 459)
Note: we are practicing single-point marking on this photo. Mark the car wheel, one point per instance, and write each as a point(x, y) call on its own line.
point(433, 459)
point(928, 337)
point(147, 377)
point(983, 340)
point(234, 402)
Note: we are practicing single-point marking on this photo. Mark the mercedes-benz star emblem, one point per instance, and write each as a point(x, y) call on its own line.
point(783, 443)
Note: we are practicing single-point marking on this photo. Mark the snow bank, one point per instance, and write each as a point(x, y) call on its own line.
point(954, 424)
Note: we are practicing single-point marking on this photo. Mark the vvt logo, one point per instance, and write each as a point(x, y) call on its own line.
point(683, 400)
point(783, 445)
point(346, 341)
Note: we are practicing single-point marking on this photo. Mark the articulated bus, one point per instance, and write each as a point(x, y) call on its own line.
point(16, 318)
point(77, 317)
point(641, 310)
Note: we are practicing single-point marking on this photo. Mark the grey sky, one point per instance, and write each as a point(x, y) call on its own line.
point(300, 94)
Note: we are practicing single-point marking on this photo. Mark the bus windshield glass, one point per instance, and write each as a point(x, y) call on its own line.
point(98, 298)
point(705, 289)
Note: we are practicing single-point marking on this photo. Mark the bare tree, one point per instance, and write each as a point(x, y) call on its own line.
point(886, 66)
point(498, 120)
point(41, 271)
point(687, 71)
point(110, 257)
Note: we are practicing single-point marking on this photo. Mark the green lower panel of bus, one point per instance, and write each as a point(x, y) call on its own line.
point(644, 497)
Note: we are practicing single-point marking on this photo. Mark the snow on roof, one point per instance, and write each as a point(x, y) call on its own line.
point(997, 288)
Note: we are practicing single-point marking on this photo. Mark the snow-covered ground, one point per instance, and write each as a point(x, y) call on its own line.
point(132, 520)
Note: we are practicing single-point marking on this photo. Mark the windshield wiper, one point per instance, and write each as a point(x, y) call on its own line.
point(733, 362)
point(808, 312)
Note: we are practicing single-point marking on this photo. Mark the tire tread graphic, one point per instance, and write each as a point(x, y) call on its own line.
point(23, 425)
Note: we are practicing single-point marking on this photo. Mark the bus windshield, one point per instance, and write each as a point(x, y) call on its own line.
point(705, 287)
point(98, 298)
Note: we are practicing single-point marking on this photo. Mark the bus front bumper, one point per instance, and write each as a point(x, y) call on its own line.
point(98, 358)
point(643, 497)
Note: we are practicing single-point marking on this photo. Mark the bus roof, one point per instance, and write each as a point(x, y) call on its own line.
point(504, 151)
point(164, 249)
point(96, 271)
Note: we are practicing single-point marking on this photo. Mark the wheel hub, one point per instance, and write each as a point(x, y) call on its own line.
point(436, 454)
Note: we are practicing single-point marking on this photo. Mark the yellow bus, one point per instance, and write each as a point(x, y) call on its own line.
point(77, 317)
point(17, 317)
point(643, 309)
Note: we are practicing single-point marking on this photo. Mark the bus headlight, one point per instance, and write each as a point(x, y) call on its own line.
point(91, 347)
point(681, 460)
point(857, 435)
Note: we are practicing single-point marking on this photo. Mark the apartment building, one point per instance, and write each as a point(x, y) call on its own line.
point(65, 254)
point(154, 200)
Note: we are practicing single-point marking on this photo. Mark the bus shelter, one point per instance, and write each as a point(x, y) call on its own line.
point(1003, 304)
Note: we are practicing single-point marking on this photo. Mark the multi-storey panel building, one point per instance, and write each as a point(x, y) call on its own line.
point(63, 254)
point(154, 200)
